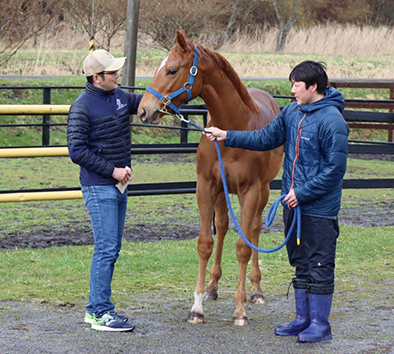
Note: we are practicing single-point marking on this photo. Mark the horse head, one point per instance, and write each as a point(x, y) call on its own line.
point(176, 81)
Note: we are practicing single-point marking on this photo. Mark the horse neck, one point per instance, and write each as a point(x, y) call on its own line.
point(225, 106)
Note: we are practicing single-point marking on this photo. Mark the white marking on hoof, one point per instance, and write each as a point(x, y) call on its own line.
point(240, 321)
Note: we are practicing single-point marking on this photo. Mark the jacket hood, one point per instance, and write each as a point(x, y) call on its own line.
point(332, 97)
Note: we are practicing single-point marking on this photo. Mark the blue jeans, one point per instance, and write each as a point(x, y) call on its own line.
point(107, 210)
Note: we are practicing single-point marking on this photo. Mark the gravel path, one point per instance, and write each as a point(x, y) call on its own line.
point(363, 326)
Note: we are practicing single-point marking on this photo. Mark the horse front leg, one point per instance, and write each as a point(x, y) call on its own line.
point(221, 223)
point(204, 249)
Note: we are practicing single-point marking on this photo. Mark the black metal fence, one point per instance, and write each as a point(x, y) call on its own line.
point(355, 147)
point(356, 119)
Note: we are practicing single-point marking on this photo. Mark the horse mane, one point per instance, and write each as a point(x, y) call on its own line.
point(226, 70)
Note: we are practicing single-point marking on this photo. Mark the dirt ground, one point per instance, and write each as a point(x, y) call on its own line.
point(360, 325)
point(364, 215)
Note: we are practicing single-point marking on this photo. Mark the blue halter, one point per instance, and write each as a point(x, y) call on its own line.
point(187, 87)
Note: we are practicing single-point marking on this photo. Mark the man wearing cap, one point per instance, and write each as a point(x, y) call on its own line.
point(99, 141)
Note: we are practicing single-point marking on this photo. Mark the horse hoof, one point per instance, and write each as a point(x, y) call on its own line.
point(211, 296)
point(195, 317)
point(240, 321)
point(257, 299)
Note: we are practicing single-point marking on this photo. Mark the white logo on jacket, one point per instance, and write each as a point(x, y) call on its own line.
point(120, 104)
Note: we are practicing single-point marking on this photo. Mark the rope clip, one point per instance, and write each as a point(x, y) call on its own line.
point(182, 118)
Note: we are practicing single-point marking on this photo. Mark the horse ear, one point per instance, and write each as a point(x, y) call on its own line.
point(181, 39)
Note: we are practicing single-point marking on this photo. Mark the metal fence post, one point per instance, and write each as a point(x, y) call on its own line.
point(205, 119)
point(46, 118)
point(184, 131)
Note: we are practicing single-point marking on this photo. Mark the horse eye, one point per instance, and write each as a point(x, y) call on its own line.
point(171, 72)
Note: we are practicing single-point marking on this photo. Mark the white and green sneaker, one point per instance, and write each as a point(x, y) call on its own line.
point(90, 316)
point(110, 321)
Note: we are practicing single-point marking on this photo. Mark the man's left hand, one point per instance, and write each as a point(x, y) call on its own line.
point(291, 199)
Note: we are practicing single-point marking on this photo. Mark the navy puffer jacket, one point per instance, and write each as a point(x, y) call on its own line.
point(321, 141)
point(98, 133)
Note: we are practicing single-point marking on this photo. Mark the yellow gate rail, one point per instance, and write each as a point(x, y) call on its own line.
point(38, 109)
point(37, 196)
point(34, 152)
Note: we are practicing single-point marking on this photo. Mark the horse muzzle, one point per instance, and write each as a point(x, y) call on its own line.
point(147, 117)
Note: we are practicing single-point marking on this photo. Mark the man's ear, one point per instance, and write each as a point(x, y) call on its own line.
point(313, 87)
point(96, 78)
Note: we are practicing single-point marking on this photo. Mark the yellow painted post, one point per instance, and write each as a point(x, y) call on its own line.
point(91, 44)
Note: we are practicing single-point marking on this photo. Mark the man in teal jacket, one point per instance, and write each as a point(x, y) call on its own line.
point(315, 136)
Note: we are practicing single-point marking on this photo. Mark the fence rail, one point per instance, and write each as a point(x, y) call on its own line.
point(355, 119)
point(377, 120)
point(350, 103)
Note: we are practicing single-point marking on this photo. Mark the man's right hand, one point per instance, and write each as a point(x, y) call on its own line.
point(121, 174)
point(213, 133)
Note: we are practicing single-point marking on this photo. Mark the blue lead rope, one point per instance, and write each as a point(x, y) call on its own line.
point(271, 212)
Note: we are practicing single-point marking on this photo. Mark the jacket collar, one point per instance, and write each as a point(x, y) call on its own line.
point(96, 91)
point(332, 97)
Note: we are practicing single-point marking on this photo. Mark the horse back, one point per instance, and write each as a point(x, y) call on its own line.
point(269, 109)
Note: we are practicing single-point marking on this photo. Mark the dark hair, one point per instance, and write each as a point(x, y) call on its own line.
point(90, 78)
point(311, 72)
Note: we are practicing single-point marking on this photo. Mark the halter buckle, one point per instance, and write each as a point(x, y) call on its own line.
point(165, 100)
point(193, 70)
point(164, 110)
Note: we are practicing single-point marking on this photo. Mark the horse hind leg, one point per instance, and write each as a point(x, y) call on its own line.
point(251, 217)
point(257, 296)
point(243, 255)
point(221, 223)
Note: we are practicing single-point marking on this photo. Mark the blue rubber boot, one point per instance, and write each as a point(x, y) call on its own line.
point(319, 329)
point(301, 320)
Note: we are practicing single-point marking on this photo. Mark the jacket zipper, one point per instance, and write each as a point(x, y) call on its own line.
point(297, 150)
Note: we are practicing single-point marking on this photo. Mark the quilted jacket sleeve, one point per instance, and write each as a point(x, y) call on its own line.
point(134, 101)
point(268, 138)
point(78, 128)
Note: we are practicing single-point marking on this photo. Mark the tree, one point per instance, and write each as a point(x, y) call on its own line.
point(286, 14)
point(104, 21)
point(236, 7)
point(383, 12)
point(21, 21)
point(160, 19)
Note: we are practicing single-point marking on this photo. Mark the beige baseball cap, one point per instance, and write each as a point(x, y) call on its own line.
point(100, 60)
